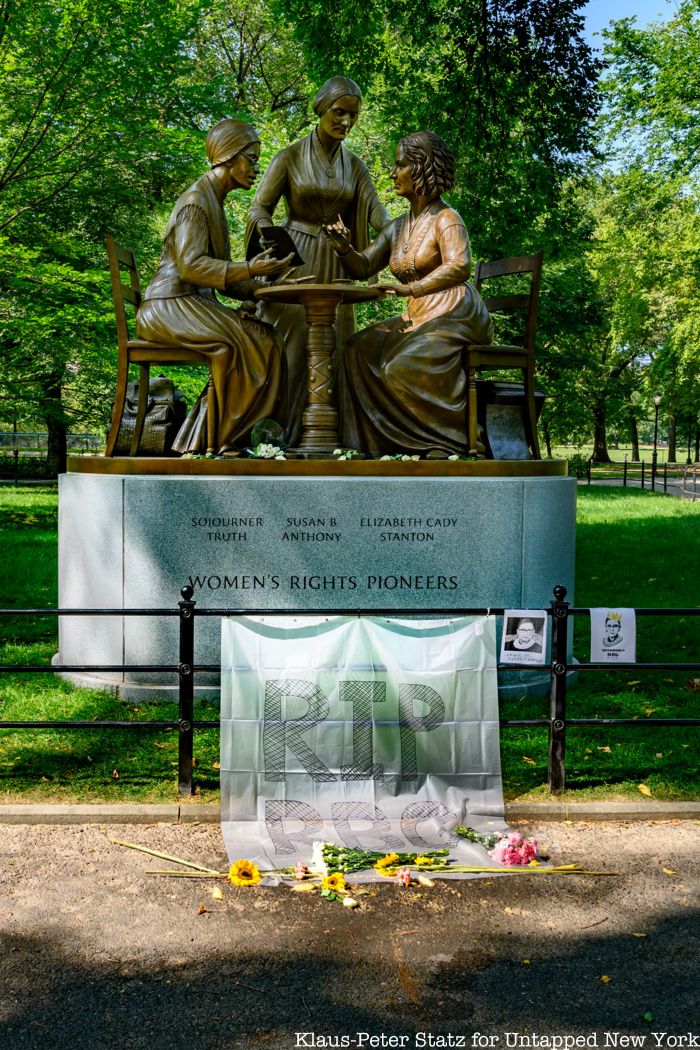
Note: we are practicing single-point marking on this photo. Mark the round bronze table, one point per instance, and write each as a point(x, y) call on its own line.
point(320, 301)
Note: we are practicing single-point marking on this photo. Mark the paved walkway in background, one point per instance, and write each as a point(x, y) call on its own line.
point(98, 955)
point(674, 486)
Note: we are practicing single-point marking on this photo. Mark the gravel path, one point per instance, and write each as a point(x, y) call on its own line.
point(97, 954)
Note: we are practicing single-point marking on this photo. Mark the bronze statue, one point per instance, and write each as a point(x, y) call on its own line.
point(404, 384)
point(180, 304)
point(319, 180)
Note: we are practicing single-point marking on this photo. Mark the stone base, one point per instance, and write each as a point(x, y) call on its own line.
point(490, 535)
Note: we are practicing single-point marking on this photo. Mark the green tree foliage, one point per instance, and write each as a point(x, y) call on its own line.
point(649, 232)
point(511, 86)
point(653, 90)
point(103, 109)
point(91, 106)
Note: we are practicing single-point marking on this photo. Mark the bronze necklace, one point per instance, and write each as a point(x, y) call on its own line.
point(411, 226)
point(329, 161)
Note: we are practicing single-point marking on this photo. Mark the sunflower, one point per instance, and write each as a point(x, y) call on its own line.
point(386, 865)
point(424, 862)
point(244, 873)
point(335, 883)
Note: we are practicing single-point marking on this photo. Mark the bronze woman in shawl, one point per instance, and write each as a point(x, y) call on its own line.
point(405, 387)
point(319, 181)
point(180, 305)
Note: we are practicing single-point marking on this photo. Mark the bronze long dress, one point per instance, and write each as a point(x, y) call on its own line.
point(315, 191)
point(180, 307)
point(404, 382)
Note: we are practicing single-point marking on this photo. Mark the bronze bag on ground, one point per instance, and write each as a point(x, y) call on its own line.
point(165, 414)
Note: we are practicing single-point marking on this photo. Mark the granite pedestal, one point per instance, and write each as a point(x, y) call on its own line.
point(295, 536)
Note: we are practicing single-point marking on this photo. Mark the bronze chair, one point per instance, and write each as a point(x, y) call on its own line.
point(143, 353)
point(495, 358)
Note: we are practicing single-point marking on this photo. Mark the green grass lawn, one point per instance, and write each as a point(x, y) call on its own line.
point(633, 548)
point(617, 453)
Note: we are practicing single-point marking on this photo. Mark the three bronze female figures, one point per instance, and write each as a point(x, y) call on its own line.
point(399, 385)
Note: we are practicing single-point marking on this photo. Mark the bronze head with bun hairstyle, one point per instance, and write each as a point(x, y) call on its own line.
point(432, 163)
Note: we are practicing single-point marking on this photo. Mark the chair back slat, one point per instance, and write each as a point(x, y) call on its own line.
point(505, 267)
point(507, 302)
point(125, 256)
point(525, 304)
point(131, 296)
point(122, 293)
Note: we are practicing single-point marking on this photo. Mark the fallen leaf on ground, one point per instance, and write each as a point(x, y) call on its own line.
point(634, 683)
point(115, 774)
point(202, 909)
point(644, 790)
point(530, 761)
point(605, 979)
point(303, 887)
point(216, 765)
point(217, 893)
point(669, 871)
point(606, 749)
point(635, 934)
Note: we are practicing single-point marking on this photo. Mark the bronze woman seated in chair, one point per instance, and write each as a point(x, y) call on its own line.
point(404, 386)
point(180, 306)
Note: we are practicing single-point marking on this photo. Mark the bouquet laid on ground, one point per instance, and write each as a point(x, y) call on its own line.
point(509, 849)
point(330, 864)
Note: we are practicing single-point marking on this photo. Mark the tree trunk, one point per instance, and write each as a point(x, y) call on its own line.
point(634, 434)
point(671, 457)
point(547, 438)
point(56, 422)
point(600, 442)
point(697, 445)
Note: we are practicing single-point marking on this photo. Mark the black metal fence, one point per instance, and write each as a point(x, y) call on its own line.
point(675, 478)
point(560, 613)
point(38, 441)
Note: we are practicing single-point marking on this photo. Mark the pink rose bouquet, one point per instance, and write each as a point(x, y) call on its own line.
point(513, 850)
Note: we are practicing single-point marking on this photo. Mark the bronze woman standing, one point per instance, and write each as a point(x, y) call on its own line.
point(180, 306)
point(319, 181)
point(405, 387)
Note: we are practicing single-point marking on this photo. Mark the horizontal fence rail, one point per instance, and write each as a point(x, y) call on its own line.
point(559, 614)
point(675, 478)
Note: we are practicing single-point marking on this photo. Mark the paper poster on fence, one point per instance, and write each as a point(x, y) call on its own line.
point(613, 635)
point(372, 733)
point(524, 640)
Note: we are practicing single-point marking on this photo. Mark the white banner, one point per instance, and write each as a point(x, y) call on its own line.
point(359, 731)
